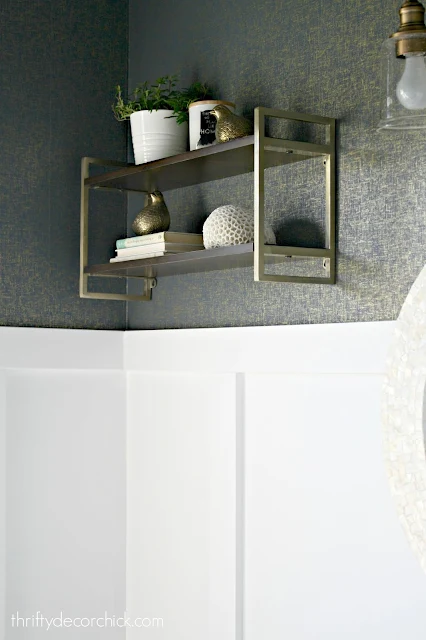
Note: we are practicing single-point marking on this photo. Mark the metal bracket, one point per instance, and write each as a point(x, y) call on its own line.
point(149, 282)
point(262, 145)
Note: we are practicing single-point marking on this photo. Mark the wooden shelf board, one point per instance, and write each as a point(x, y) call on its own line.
point(179, 263)
point(204, 165)
point(234, 257)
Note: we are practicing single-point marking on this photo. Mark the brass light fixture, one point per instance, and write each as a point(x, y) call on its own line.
point(405, 71)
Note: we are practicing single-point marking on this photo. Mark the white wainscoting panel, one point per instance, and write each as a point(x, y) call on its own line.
point(325, 555)
point(320, 552)
point(2, 505)
point(257, 501)
point(181, 505)
point(65, 499)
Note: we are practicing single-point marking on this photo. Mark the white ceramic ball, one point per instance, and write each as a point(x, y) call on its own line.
point(230, 225)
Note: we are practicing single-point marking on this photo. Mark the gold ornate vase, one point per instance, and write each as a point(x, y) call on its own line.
point(153, 218)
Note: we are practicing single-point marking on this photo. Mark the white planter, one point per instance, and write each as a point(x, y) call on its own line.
point(202, 125)
point(156, 135)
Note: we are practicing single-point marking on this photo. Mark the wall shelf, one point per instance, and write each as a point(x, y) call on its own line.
point(253, 154)
point(226, 160)
point(237, 256)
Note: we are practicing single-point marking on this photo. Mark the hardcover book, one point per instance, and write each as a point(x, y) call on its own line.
point(163, 236)
point(169, 247)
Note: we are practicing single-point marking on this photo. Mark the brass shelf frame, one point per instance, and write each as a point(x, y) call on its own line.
point(262, 145)
point(252, 154)
point(148, 282)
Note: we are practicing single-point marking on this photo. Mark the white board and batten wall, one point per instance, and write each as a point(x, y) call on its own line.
point(257, 500)
point(62, 489)
point(287, 421)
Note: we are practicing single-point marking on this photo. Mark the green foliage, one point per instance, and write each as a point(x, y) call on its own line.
point(161, 95)
point(179, 101)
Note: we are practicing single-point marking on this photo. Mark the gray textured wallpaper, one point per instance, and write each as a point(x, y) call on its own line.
point(318, 57)
point(59, 62)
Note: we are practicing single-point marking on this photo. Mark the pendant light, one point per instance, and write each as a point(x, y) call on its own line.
point(404, 71)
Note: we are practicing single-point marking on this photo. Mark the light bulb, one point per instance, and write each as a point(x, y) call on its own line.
point(411, 89)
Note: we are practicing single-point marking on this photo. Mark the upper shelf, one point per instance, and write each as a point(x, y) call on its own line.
point(205, 165)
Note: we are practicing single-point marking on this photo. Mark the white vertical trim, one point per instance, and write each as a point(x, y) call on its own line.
point(240, 506)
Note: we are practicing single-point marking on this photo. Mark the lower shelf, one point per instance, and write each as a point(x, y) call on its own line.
point(237, 256)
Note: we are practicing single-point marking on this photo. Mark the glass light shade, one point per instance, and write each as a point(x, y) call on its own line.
point(404, 82)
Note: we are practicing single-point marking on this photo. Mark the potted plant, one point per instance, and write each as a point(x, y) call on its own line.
point(158, 115)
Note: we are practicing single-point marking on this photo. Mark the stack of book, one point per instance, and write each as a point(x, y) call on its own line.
point(157, 244)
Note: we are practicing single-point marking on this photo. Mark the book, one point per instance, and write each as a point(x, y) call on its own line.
point(163, 236)
point(154, 254)
point(169, 247)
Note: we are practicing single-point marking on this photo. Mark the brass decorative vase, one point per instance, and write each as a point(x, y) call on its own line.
point(153, 218)
point(229, 126)
point(202, 123)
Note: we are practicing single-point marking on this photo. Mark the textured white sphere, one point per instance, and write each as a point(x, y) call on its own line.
point(229, 225)
point(403, 420)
